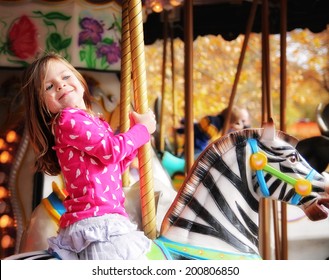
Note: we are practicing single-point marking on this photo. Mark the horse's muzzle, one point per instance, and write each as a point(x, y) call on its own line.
point(318, 210)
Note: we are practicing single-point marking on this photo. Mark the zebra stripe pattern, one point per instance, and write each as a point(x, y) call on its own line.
point(235, 220)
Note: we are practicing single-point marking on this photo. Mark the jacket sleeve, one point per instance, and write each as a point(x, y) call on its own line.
point(76, 128)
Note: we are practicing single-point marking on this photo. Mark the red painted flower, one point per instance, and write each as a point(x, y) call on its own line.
point(23, 38)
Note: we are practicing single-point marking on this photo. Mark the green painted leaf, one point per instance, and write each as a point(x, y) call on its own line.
point(19, 62)
point(66, 43)
point(108, 41)
point(49, 23)
point(55, 39)
point(57, 15)
point(82, 55)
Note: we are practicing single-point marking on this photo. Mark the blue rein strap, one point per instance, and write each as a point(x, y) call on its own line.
point(259, 173)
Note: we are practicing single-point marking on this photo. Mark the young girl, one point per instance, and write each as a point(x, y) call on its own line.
point(67, 137)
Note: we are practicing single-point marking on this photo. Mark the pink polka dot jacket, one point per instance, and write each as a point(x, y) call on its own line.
point(92, 159)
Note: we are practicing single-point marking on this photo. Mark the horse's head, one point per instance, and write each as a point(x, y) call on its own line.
point(273, 157)
point(220, 195)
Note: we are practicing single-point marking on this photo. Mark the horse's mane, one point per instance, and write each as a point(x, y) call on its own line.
point(207, 159)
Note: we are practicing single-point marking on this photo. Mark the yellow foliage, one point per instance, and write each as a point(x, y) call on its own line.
point(214, 71)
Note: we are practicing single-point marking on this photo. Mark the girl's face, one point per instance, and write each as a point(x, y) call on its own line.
point(62, 89)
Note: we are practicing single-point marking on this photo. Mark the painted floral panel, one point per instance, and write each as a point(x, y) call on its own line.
point(86, 34)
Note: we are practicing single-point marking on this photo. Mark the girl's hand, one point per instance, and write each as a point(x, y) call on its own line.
point(147, 119)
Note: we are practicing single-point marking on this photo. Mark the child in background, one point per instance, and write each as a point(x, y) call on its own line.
point(209, 127)
point(68, 137)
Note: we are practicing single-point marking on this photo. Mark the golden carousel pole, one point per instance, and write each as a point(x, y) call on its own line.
point(283, 99)
point(125, 82)
point(141, 106)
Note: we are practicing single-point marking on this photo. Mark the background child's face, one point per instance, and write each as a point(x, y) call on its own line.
point(242, 120)
point(238, 125)
point(62, 89)
point(244, 115)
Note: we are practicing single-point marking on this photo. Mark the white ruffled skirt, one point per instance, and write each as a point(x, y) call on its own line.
point(108, 237)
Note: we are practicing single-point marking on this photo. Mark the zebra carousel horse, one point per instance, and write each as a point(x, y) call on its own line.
point(215, 213)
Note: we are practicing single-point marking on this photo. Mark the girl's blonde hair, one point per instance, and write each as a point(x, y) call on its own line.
point(38, 118)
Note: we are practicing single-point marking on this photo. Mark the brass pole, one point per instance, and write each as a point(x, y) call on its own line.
point(267, 66)
point(277, 241)
point(240, 63)
point(163, 85)
point(188, 75)
point(265, 205)
point(141, 104)
point(174, 102)
point(125, 83)
point(283, 105)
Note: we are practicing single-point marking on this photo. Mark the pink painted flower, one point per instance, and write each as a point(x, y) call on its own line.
point(23, 38)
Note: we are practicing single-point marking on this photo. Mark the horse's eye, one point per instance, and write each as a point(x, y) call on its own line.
point(293, 158)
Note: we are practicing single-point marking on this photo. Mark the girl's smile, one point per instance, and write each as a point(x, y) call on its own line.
point(64, 95)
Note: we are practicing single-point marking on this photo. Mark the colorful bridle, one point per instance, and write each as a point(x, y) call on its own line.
point(258, 162)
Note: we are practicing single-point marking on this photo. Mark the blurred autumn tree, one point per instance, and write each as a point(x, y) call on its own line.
point(215, 62)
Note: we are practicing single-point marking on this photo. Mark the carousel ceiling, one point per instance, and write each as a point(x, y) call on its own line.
point(229, 18)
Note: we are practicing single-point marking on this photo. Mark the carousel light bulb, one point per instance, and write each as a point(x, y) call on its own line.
point(3, 192)
point(5, 157)
point(157, 6)
point(175, 3)
point(6, 242)
point(5, 221)
point(11, 136)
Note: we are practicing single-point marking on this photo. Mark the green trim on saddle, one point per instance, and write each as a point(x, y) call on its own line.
point(199, 253)
point(158, 251)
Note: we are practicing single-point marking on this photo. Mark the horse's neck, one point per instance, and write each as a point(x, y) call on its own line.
point(222, 214)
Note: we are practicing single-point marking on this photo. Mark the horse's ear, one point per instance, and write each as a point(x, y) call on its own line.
point(269, 130)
